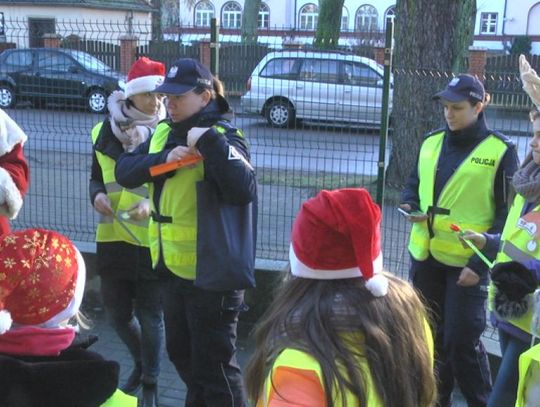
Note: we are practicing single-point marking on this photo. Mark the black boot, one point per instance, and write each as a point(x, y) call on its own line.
point(134, 380)
point(149, 395)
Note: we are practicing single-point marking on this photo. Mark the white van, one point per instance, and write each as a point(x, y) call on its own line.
point(315, 85)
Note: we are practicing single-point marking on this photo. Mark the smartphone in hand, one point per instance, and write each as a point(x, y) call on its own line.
point(409, 214)
point(404, 212)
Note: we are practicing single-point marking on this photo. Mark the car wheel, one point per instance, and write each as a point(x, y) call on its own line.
point(7, 97)
point(97, 101)
point(280, 113)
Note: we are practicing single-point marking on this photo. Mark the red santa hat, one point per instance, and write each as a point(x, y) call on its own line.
point(42, 278)
point(336, 235)
point(145, 75)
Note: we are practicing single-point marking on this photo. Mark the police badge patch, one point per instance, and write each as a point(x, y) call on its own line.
point(172, 72)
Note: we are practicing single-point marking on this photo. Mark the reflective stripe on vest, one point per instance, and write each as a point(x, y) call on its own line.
point(468, 195)
point(177, 238)
point(297, 359)
point(122, 199)
point(520, 242)
point(527, 360)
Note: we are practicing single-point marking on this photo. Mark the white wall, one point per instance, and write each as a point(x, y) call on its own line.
point(105, 25)
point(520, 17)
point(490, 6)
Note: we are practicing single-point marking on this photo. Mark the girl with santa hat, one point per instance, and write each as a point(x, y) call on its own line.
point(340, 332)
point(131, 290)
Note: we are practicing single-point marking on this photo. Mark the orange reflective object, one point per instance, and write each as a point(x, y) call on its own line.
point(296, 388)
point(174, 165)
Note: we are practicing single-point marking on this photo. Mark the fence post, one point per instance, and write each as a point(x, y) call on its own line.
point(51, 40)
point(477, 62)
point(387, 63)
point(128, 48)
point(214, 46)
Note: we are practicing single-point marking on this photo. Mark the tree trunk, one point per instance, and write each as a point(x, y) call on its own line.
point(157, 32)
point(432, 41)
point(329, 24)
point(250, 17)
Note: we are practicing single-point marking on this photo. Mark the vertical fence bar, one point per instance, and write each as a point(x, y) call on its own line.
point(214, 46)
point(388, 50)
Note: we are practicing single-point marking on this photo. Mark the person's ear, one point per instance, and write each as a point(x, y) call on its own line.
point(478, 107)
point(206, 96)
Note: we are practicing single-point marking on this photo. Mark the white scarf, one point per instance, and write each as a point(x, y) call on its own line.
point(131, 126)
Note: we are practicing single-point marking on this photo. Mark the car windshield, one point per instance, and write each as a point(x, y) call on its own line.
point(89, 62)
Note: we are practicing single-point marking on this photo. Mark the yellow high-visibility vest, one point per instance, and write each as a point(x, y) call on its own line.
point(291, 358)
point(297, 359)
point(120, 399)
point(526, 361)
point(176, 231)
point(122, 199)
point(519, 242)
point(173, 227)
point(468, 198)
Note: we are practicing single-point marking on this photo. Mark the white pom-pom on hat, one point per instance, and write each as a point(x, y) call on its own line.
point(5, 321)
point(377, 285)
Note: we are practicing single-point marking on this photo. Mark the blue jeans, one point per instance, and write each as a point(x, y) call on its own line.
point(135, 310)
point(460, 318)
point(201, 342)
point(506, 383)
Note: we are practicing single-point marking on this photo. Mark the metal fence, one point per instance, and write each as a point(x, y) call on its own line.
point(292, 164)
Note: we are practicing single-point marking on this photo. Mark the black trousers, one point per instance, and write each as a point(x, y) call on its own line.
point(200, 328)
point(460, 318)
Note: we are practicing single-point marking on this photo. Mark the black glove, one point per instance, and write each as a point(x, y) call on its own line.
point(514, 282)
point(83, 341)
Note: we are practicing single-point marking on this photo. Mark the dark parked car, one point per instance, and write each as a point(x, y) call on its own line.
point(56, 75)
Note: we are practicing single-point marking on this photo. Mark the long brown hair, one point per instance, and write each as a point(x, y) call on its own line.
point(339, 322)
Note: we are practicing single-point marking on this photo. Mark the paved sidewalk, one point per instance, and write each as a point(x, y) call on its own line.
point(172, 391)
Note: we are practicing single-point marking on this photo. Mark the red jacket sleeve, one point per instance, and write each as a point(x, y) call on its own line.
point(14, 176)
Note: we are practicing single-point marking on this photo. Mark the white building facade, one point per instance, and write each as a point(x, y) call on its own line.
point(497, 21)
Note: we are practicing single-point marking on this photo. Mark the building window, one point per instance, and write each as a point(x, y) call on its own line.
point(366, 18)
point(488, 23)
point(204, 12)
point(37, 27)
point(345, 19)
point(263, 20)
point(309, 14)
point(231, 15)
point(390, 14)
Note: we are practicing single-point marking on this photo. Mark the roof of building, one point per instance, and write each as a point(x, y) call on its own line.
point(135, 5)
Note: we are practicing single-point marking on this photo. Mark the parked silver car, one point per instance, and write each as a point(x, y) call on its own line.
point(329, 86)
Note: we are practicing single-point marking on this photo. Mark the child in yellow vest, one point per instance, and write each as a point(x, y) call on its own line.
point(341, 332)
